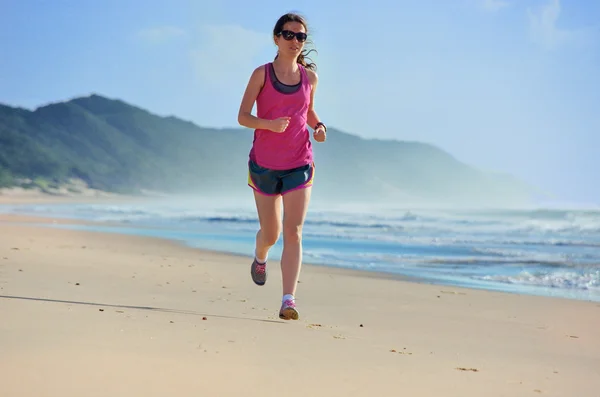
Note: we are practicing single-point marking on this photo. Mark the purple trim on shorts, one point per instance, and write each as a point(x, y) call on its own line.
point(306, 185)
point(261, 192)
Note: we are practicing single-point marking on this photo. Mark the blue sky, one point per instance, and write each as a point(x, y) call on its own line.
point(505, 85)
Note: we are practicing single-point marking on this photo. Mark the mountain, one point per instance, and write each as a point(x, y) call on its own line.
point(118, 147)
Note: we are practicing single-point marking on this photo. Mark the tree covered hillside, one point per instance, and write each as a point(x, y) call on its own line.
point(114, 146)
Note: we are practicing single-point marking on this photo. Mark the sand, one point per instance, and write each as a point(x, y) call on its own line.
point(93, 314)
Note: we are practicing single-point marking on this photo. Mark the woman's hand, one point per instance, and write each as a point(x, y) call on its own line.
point(320, 134)
point(280, 124)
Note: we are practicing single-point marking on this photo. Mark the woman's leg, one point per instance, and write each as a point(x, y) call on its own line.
point(295, 206)
point(269, 217)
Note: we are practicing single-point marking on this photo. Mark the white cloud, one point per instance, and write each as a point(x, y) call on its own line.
point(227, 54)
point(160, 34)
point(494, 5)
point(545, 32)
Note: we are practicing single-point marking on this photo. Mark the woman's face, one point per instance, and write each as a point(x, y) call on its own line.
point(291, 40)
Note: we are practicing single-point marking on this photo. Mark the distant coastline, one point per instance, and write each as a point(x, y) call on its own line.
point(94, 144)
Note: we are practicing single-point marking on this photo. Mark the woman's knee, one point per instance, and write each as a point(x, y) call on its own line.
point(292, 233)
point(270, 235)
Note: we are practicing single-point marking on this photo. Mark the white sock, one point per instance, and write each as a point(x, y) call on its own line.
point(287, 296)
point(260, 260)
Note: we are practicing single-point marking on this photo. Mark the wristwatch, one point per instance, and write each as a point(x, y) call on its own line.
point(320, 124)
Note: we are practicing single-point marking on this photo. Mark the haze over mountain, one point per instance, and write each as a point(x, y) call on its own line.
point(115, 146)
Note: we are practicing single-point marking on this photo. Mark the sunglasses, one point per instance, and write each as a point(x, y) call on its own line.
point(289, 35)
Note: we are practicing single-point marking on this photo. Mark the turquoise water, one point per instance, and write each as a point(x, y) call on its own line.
point(543, 252)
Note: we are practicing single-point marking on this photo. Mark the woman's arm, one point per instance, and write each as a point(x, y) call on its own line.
point(245, 117)
point(312, 117)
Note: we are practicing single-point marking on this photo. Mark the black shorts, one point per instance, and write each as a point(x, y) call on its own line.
point(275, 182)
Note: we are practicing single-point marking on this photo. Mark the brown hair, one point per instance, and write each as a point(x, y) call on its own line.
point(303, 57)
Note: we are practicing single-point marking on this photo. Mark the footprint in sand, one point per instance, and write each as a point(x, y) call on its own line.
point(467, 369)
point(453, 292)
point(403, 351)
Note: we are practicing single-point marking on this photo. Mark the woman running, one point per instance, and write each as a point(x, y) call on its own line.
point(280, 163)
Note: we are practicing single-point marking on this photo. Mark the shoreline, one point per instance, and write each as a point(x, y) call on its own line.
point(17, 196)
point(35, 221)
point(67, 222)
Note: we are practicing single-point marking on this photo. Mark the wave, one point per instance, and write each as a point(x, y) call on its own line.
point(550, 274)
point(559, 279)
point(529, 271)
point(433, 240)
point(407, 227)
point(544, 222)
point(412, 223)
point(308, 222)
point(541, 213)
point(510, 261)
point(445, 261)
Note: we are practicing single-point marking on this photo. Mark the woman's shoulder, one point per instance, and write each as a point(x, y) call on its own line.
point(260, 70)
point(313, 77)
point(259, 73)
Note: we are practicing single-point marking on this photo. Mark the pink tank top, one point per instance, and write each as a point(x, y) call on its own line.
point(291, 148)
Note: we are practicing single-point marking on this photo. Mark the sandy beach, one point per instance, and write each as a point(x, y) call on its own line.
point(93, 314)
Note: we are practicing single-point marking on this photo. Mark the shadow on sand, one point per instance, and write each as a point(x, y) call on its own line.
point(149, 308)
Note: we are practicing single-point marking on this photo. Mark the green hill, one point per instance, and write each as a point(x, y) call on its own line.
point(114, 146)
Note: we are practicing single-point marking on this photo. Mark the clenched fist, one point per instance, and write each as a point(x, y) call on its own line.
point(280, 124)
point(320, 134)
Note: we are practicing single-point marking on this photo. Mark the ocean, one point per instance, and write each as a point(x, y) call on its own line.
point(551, 252)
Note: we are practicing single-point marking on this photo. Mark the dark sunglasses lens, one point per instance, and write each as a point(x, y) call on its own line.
point(289, 35)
